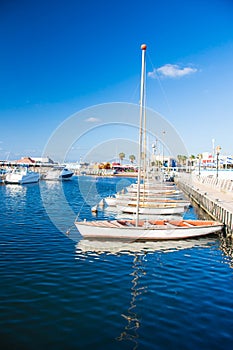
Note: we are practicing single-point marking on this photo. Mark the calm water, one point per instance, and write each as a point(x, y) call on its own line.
point(61, 292)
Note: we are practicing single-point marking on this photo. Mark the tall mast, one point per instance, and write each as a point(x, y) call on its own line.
point(142, 97)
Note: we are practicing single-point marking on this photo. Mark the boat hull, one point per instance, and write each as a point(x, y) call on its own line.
point(151, 211)
point(106, 230)
point(154, 191)
point(22, 179)
point(113, 202)
point(58, 173)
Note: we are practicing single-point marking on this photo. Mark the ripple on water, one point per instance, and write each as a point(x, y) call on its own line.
point(60, 293)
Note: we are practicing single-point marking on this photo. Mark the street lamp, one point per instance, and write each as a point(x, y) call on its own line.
point(218, 149)
point(164, 132)
point(199, 164)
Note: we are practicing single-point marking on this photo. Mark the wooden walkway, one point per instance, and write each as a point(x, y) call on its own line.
point(213, 195)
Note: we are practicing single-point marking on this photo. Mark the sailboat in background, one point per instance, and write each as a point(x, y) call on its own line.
point(136, 230)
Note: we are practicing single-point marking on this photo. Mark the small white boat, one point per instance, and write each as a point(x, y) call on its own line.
point(152, 185)
point(156, 191)
point(147, 229)
point(164, 209)
point(22, 175)
point(66, 174)
point(128, 200)
point(58, 173)
point(175, 194)
point(111, 201)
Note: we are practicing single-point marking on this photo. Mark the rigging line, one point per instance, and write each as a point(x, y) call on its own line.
point(69, 229)
point(160, 85)
point(84, 200)
point(132, 98)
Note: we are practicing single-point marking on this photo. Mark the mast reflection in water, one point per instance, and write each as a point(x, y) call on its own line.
point(130, 333)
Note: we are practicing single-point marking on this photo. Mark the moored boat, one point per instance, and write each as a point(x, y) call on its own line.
point(155, 190)
point(175, 194)
point(22, 175)
point(58, 173)
point(147, 229)
point(152, 210)
point(134, 230)
point(128, 200)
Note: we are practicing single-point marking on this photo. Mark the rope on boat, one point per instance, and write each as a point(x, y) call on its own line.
point(77, 216)
point(90, 188)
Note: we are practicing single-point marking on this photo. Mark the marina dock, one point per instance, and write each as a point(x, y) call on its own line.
point(213, 195)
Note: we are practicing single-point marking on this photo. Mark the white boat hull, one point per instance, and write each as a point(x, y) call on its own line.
point(152, 210)
point(152, 191)
point(150, 195)
point(18, 178)
point(113, 202)
point(110, 230)
point(66, 174)
point(110, 201)
point(58, 173)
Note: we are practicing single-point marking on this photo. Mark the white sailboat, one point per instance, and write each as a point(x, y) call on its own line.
point(153, 190)
point(147, 230)
point(136, 230)
point(128, 200)
point(148, 209)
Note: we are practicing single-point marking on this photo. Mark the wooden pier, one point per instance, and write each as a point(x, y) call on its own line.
point(213, 195)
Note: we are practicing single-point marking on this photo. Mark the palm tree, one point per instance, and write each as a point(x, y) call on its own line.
point(199, 157)
point(121, 156)
point(192, 159)
point(132, 158)
point(181, 159)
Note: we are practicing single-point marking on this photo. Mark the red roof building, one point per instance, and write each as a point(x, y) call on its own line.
point(25, 160)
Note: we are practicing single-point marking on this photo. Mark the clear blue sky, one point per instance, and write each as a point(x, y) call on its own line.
point(59, 57)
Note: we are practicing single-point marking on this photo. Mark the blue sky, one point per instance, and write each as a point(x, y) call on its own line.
point(60, 57)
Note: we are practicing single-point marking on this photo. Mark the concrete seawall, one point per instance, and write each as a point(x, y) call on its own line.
point(213, 195)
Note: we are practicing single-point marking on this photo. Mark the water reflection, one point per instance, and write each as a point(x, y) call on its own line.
point(226, 245)
point(122, 247)
point(17, 197)
point(13, 190)
point(130, 332)
point(97, 249)
point(56, 204)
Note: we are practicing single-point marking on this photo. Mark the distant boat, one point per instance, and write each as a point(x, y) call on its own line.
point(58, 173)
point(22, 175)
point(3, 173)
point(66, 174)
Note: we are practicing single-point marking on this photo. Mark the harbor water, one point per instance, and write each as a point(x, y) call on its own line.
point(59, 291)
